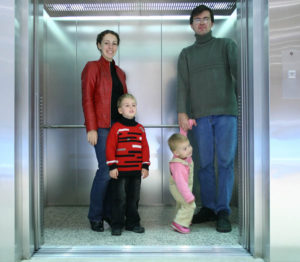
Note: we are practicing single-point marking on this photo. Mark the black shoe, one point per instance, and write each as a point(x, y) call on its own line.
point(97, 226)
point(204, 215)
point(136, 229)
point(116, 231)
point(223, 223)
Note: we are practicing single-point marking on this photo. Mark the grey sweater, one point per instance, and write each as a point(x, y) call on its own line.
point(207, 73)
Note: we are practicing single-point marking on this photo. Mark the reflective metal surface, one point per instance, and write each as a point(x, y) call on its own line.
point(284, 131)
point(9, 247)
point(148, 54)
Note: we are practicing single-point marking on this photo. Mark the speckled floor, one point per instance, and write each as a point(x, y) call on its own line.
point(69, 226)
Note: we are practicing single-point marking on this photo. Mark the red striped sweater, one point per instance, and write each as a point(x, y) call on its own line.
point(127, 147)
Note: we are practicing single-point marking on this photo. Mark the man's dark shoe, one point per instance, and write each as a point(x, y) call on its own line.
point(116, 231)
point(136, 229)
point(97, 226)
point(204, 215)
point(223, 223)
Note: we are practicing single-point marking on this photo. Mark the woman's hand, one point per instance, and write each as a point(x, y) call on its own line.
point(92, 137)
point(145, 173)
point(114, 173)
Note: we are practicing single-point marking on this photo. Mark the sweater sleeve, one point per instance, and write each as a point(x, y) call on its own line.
point(88, 81)
point(178, 172)
point(182, 83)
point(111, 148)
point(145, 151)
point(232, 57)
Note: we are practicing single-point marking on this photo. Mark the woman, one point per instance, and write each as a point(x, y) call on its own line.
point(102, 84)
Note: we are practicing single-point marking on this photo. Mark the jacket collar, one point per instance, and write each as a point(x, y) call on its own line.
point(103, 61)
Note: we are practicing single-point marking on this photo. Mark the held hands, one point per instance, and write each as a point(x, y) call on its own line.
point(185, 123)
point(114, 173)
point(145, 173)
point(92, 137)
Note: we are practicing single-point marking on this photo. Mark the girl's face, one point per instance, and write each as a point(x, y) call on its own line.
point(128, 108)
point(108, 46)
point(184, 150)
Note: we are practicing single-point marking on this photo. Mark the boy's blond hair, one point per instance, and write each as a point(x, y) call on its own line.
point(122, 97)
point(176, 139)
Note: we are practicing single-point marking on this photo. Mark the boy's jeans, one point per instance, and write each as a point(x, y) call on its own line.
point(217, 132)
point(100, 197)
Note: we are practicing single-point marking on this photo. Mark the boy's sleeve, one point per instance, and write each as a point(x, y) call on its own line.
point(178, 172)
point(145, 151)
point(111, 148)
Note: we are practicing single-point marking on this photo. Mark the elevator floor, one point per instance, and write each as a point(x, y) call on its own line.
point(69, 226)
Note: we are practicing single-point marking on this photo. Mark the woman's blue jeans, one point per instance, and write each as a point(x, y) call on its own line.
point(100, 197)
point(217, 133)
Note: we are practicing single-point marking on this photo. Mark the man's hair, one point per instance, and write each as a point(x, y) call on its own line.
point(198, 10)
point(122, 97)
point(176, 139)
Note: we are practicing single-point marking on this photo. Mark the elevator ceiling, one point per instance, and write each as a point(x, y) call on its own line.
point(60, 8)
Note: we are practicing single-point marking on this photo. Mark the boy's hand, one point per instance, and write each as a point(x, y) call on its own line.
point(114, 173)
point(145, 173)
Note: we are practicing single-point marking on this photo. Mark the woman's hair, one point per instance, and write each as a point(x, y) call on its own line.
point(176, 139)
point(198, 10)
point(122, 97)
point(103, 33)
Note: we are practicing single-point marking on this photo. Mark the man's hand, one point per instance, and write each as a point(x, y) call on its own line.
point(183, 121)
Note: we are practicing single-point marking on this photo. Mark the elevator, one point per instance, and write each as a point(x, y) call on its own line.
point(62, 164)
point(151, 40)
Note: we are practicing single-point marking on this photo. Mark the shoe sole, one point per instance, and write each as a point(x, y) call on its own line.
point(178, 230)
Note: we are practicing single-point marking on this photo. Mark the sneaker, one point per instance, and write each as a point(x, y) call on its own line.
point(223, 223)
point(204, 215)
point(97, 226)
point(136, 229)
point(116, 231)
point(179, 228)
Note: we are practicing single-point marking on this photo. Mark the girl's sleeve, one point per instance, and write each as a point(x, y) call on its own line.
point(111, 148)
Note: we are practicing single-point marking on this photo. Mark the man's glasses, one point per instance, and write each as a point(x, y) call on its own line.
point(204, 20)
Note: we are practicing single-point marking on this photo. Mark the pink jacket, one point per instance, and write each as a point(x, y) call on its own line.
point(182, 175)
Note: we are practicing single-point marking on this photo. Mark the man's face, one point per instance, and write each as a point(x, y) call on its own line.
point(202, 23)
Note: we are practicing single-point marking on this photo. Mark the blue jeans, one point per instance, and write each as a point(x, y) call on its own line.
point(100, 197)
point(217, 132)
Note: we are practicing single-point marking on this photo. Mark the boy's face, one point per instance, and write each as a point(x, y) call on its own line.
point(184, 150)
point(128, 108)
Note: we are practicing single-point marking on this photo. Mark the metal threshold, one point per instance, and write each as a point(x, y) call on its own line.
point(118, 251)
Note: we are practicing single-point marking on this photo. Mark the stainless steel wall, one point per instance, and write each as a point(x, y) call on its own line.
point(7, 130)
point(148, 53)
point(284, 130)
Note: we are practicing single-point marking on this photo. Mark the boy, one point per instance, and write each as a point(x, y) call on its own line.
point(181, 182)
point(127, 155)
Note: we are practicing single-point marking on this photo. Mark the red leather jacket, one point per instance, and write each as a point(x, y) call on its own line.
point(96, 83)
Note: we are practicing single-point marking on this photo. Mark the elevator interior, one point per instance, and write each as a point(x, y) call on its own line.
point(151, 39)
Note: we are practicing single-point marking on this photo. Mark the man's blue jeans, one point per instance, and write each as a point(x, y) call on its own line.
point(216, 133)
point(100, 197)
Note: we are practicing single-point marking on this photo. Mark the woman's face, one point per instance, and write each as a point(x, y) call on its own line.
point(108, 46)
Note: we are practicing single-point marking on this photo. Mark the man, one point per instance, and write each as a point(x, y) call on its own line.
point(207, 89)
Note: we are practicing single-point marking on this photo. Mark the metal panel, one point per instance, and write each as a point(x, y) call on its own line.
point(7, 132)
point(284, 133)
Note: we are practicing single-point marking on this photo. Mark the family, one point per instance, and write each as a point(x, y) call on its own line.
point(206, 104)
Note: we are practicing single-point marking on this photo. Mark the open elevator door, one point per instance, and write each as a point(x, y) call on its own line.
point(163, 122)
